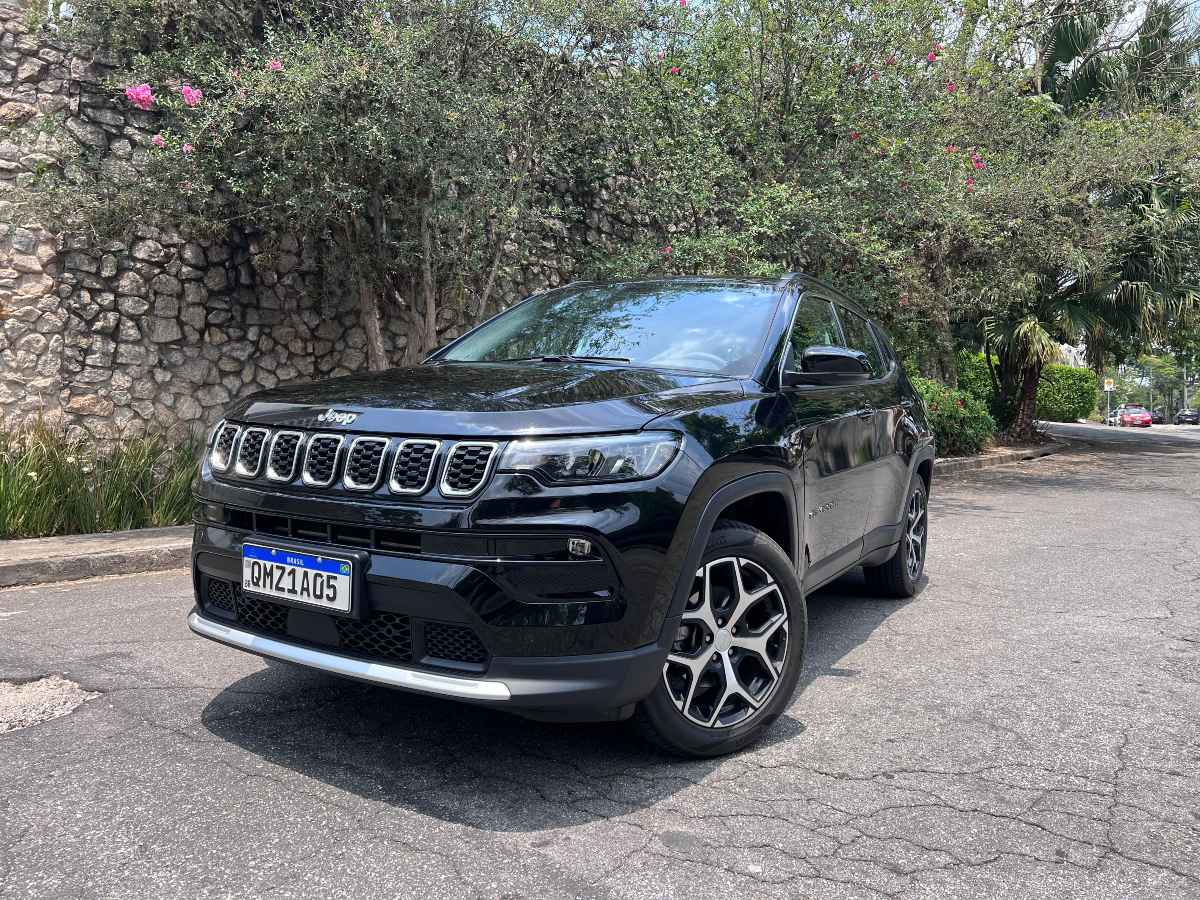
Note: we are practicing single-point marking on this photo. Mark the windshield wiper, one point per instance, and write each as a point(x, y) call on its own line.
point(569, 358)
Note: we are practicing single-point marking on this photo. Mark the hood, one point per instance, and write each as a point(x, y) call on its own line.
point(474, 399)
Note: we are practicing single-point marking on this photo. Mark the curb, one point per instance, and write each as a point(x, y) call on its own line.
point(959, 464)
point(45, 560)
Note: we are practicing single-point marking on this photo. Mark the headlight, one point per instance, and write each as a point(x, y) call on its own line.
point(621, 457)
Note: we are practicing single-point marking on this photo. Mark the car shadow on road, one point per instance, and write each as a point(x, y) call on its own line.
point(481, 767)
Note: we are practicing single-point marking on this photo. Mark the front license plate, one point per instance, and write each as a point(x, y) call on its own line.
point(320, 581)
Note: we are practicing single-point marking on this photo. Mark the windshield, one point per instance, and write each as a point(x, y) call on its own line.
point(707, 326)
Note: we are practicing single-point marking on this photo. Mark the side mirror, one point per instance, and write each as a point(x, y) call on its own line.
point(825, 365)
point(834, 361)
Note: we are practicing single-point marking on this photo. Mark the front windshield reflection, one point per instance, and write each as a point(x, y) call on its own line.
point(714, 326)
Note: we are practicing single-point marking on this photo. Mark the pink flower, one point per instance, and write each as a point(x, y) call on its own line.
point(939, 46)
point(236, 73)
point(158, 141)
point(951, 87)
point(855, 135)
point(970, 184)
point(191, 95)
point(667, 250)
point(662, 54)
point(275, 65)
point(683, 2)
point(141, 96)
point(951, 148)
point(891, 60)
point(978, 164)
point(187, 148)
point(932, 57)
point(674, 70)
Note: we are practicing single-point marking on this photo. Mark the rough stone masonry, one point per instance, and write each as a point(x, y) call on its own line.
point(161, 331)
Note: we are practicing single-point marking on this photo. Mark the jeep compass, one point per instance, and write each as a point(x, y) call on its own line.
point(607, 502)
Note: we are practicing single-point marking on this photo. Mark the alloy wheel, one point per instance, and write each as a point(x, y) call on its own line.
point(731, 645)
point(914, 534)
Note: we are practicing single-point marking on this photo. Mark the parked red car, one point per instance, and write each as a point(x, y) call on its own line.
point(1134, 417)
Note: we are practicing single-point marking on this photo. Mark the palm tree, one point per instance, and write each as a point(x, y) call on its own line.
point(1084, 64)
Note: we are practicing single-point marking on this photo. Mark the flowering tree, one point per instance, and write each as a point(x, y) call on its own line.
point(944, 163)
point(408, 141)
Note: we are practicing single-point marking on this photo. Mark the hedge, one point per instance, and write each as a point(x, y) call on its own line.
point(1065, 394)
point(961, 423)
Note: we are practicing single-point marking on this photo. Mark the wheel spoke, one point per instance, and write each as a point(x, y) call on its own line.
point(757, 643)
point(695, 666)
point(733, 688)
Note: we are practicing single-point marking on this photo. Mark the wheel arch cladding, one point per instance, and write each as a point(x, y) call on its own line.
point(925, 470)
point(701, 517)
point(769, 512)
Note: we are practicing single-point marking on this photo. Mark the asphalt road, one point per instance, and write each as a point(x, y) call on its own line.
point(1029, 726)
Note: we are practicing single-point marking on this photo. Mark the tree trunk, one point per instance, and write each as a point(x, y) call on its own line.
point(429, 338)
point(1022, 427)
point(368, 307)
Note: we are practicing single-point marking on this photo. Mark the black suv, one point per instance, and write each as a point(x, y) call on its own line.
point(607, 501)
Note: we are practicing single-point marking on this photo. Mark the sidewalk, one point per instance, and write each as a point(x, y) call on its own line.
point(89, 555)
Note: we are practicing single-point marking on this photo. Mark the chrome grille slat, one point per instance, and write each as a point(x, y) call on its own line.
point(412, 467)
point(283, 456)
point(250, 452)
point(364, 463)
point(224, 440)
point(467, 468)
point(321, 459)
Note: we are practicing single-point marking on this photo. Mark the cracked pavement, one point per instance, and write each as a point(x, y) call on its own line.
point(1029, 726)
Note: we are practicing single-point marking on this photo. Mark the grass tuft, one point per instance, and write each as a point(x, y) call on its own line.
point(52, 484)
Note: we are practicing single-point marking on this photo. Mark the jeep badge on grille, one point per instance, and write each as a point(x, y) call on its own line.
point(337, 417)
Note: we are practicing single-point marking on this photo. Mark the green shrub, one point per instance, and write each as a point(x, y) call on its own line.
point(51, 484)
point(961, 424)
point(974, 378)
point(1066, 394)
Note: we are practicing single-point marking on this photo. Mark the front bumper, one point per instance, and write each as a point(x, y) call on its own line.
point(596, 686)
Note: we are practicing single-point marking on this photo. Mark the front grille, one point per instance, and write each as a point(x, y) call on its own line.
point(413, 467)
point(456, 643)
point(285, 449)
point(320, 463)
point(250, 451)
point(364, 463)
point(222, 451)
point(261, 615)
point(220, 595)
point(384, 635)
point(320, 460)
point(466, 469)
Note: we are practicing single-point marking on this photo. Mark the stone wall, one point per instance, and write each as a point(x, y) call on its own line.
point(162, 331)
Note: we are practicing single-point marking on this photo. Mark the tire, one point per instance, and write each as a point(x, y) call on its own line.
point(900, 575)
point(694, 711)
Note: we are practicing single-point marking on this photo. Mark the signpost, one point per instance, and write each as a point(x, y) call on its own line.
point(1109, 384)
